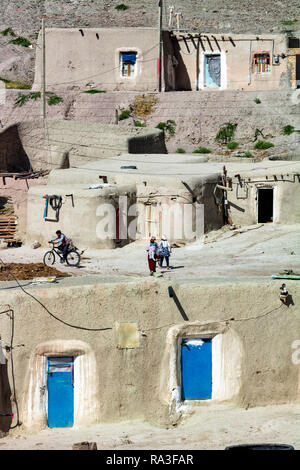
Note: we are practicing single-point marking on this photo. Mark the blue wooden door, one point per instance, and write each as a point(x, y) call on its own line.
point(60, 392)
point(196, 369)
point(212, 70)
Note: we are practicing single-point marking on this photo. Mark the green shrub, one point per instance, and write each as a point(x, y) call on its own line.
point(8, 31)
point(139, 124)
point(290, 32)
point(9, 84)
point(289, 22)
point(245, 155)
point(257, 101)
point(257, 133)
point(20, 41)
point(121, 7)
point(54, 99)
point(168, 126)
point(93, 91)
point(288, 130)
point(35, 95)
point(124, 114)
point(232, 145)
point(180, 150)
point(202, 150)
point(226, 132)
point(263, 145)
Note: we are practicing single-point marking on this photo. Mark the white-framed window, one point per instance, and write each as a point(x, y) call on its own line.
point(128, 63)
point(261, 62)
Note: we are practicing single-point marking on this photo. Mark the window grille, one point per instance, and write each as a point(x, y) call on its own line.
point(262, 63)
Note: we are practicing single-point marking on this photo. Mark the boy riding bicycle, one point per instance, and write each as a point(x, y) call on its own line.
point(62, 244)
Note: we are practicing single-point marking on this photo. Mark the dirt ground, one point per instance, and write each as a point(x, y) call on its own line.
point(256, 251)
point(259, 250)
point(208, 428)
point(28, 271)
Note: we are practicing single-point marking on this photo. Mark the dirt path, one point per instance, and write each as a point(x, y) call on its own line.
point(263, 251)
point(213, 427)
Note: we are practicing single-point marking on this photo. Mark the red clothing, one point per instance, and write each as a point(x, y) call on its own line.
point(152, 265)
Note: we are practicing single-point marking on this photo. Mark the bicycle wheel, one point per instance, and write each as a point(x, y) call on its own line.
point(49, 258)
point(73, 258)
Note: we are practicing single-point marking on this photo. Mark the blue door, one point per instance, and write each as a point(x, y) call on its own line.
point(212, 70)
point(60, 392)
point(196, 368)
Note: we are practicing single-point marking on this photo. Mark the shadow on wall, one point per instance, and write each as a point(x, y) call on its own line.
point(5, 404)
point(183, 82)
point(13, 157)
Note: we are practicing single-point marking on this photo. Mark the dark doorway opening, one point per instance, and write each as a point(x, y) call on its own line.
point(265, 205)
point(298, 71)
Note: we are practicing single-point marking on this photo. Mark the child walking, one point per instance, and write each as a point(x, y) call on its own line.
point(153, 254)
point(164, 251)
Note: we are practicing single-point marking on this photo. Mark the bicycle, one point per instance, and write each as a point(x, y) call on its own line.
point(72, 258)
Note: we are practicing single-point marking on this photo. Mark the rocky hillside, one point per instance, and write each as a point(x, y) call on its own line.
point(24, 17)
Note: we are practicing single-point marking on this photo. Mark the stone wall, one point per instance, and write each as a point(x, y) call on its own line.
point(198, 115)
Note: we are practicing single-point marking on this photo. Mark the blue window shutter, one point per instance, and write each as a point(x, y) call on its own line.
point(129, 57)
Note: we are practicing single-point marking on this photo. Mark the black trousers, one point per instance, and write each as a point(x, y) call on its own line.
point(64, 250)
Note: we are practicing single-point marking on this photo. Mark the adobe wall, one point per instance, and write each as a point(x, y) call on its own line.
point(237, 72)
point(257, 338)
point(89, 217)
point(243, 200)
point(88, 60)
point(61, 143)
point(235, 16)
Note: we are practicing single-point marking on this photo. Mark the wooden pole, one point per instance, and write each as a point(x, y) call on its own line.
point(43, 73)
point(159, 67)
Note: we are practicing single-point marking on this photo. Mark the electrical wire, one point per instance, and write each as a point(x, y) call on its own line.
point(47, 310)
point(222, 321)
point(10, 313)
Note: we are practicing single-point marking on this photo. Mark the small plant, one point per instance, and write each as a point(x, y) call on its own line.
point(54, 99)
point(257, 101)
point(35, 95)
point(121, 7)
point(232, 145)
point(143, 105)
point(289, 32)
point(8, 31)
point(257, 133)
point(289, 22)
point(288, 130)
point(168, 126)
point(20, 41)
point(9, 84)
point(246, 154)
point(93, 91)
point(263, 145)
point(139, 124)
point(180, 150)
point(124, 114)
point(202, 150)
point(226, 132)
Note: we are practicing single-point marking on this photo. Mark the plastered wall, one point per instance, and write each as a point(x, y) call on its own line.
point(137, 383)
point(237, 71)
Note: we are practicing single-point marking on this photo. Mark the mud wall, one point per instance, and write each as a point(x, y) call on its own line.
point(135, 381)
